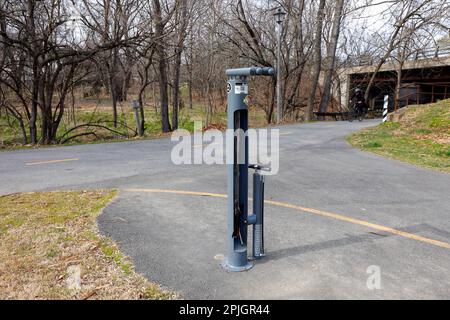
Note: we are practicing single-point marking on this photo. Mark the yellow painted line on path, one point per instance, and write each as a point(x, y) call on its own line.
point(361, 223)
point(312, 211)
point(207, 145)
point(182, 192)
point(50, 161)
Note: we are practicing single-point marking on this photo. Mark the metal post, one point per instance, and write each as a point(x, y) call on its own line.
point(237, 181)
point(385, 108)
point(137, 107)
point(279, 16)
point(279, 102)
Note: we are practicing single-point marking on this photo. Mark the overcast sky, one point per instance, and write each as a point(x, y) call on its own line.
point(373, 17)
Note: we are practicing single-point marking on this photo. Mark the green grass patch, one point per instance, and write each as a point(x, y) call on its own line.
point(99, 112)
point(11, 135)
point(373, 144)
point(421, 137)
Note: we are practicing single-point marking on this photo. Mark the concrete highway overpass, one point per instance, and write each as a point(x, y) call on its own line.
point(423, 81)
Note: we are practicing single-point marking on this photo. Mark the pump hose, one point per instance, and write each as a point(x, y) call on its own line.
point(237, 215)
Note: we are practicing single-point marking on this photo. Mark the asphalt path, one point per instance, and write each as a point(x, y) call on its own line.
point(335, 216)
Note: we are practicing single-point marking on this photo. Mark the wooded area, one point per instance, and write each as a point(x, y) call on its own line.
point(55, 53)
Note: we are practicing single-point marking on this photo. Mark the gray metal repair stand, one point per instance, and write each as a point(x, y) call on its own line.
point(238, 218)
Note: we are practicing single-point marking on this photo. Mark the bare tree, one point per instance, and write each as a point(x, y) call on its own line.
point(331, 55)
point(146, 53)
point(181, 24)
point(160, 24)
point(317, 60)
point(403, 12)
point(112, 21)
point(46, 65)
point(44, 57)
point(50, 48)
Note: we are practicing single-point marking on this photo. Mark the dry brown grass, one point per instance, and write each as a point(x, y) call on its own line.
point(43, 234)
